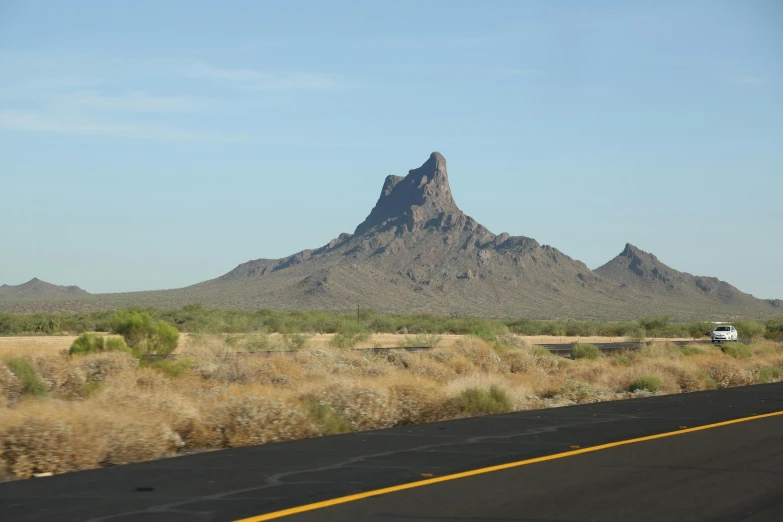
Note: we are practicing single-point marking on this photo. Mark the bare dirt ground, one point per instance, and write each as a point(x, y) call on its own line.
point(19, 345)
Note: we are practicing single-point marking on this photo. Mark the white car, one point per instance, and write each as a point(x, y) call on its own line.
point(724, 333)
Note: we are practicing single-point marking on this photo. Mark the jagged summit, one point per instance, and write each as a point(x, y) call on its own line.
point(421, 195)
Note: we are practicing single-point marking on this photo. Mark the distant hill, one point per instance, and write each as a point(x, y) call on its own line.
point(418, 252)
point(643, 272)
point(37, 289)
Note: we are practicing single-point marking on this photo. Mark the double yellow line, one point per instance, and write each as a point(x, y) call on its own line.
point(481, 471)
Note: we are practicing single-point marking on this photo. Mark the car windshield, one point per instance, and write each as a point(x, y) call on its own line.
point(723, 329)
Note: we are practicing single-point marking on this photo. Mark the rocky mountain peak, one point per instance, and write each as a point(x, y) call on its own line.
point(423, 194)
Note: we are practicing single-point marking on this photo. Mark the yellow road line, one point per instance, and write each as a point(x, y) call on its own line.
point(464, 474)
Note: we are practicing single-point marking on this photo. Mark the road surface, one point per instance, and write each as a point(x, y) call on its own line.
point(726, 473)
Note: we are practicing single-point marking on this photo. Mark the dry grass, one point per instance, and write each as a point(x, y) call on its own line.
point(107, 409)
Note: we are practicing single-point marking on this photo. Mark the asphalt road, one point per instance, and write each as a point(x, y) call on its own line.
point(723, 474)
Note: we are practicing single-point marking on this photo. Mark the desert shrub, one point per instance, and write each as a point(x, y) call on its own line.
point(736, 350)
point(726, 375)
point(295, 341)
point(578, 392)
point(479, 401)
point(774, 328)
point(98, 367)
point(689, 350)
point(139, 441)
point(749, 330)
point(480, 354)
point(10, 386)
point(171, 368)
point(636, 334)
point(144, 334)
point(709, 382)
point(92, 343)
point(252, 419)
point(660, 350)
point(32, 384)
point(585, 351)
point(257, 342)
point(87, 343)
point(650, 383)
point(41, 445)
point(323, 416)
point(770, 374)
point(363, 408)
point(349, 339)
point(418, 403)
point(430, 340)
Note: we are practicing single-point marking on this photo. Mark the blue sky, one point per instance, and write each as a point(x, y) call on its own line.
point(150, 145)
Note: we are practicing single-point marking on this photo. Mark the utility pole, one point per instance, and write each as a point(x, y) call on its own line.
point(357, 314)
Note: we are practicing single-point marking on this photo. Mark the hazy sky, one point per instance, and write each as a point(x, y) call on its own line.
point(156, 144)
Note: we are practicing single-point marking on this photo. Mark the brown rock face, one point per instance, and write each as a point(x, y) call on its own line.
point(420, 196)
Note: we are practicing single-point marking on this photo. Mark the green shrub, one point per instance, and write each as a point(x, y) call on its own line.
point(770, 374)
point(542, 351)
point(92, 342)
point(748, 330)
point(256, 342)
point(636, 334)
point(622, 359)
point(736, 350)
point(689, 350)
point(330, 422)
point(143, 334)
point(87, 343)
point(477, 400)
point(295, 341)
point(650, 383)
point(32, 384)
point(349, 340)
point(585, 351)
point(171, 368)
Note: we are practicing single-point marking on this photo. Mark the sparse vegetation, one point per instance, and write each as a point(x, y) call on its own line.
point(197, 319)
point(586, 351)
point(100, 408)
point(28, 377)
point(770, 374)
point(480, 401)
point(736, 350)
point(651, 383)
point(93, 343)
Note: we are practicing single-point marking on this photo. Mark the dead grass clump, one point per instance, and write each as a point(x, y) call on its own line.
point(363, 408)
point(726, 375)
point(416, 403)
point(515, 342)
point(41, 444)
point(10, 386)
point(518, 361)
point(578, 392)
point(138, 441)
point(661, 350)
point(100, 366)
point(253, 419)
point(480, 354)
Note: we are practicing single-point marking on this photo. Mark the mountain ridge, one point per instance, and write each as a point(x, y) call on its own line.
point(38, 289)
point(417, 251)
